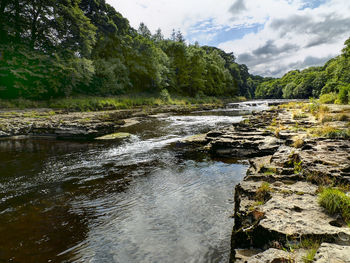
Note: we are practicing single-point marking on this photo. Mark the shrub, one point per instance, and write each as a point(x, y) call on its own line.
point(343, 95)
point(164, 95)
point(314, 106)
point(328, 98)
point(335, 202)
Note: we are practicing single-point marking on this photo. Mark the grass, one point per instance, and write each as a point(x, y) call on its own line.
point(315, 108)
point(298, 115)
point(298, 143)
point(311, 244)
point(335, 201)
point(298, 167)
point(319, 179)
point(268, 170)
point(328, 98)
point(112, 103)
point(342, 117)
point(292, 105)
point(330, 132)
point(310, 255)
point(255, 205)
point(263, 192)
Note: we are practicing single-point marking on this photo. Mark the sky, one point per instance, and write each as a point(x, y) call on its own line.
point(271, 37)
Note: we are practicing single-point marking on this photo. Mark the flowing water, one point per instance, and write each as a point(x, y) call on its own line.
point(142, 199)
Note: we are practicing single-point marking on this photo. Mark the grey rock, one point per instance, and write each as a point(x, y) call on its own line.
point(332, 253)
point(301, 215)
point(271, 255)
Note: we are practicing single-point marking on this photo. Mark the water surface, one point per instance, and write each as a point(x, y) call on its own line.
point(137, 200)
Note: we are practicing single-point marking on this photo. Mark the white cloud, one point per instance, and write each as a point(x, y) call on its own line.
point(169, 14)
point(320, 35)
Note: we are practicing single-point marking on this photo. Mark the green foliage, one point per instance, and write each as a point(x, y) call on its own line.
point(314, 106)
point(310, 255)
point(311, 244)
point(164, 95)
point(263, 192)
point(51, 49)
point(298, 167)
point(335, 202)
point(343, 95)
point(93, 103)
point(328, 98)
point(332, 78)
point(331, 132)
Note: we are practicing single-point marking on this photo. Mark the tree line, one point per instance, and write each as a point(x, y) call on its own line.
point(51, 49)
point(331, 82)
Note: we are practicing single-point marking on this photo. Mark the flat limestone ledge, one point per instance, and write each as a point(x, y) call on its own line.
point(268, 256)
point(271, 255)
point(332, 253)
point(287, 208)
point(300, 215)
point(114, 136)
point(195, 140)
point(251, 187)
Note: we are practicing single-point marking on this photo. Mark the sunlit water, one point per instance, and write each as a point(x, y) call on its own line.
point(138, 200)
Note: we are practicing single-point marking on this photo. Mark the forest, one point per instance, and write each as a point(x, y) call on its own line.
point(55, 49)
point(330, 83)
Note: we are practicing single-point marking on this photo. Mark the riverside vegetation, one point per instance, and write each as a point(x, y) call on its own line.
point(59, 53)
point(59, 49)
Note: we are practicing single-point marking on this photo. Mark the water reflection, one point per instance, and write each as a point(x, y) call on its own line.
point(136, 200)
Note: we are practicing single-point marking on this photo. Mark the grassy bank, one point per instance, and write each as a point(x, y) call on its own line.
point(113, 103)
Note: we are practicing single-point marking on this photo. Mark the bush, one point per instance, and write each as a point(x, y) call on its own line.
point(343, 95)
point(164, 95)
point(314, 106)
point(328, 98)
point(335, 202)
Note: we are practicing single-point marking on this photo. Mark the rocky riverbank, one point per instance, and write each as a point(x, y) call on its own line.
point(78, 125)
point(295, 152)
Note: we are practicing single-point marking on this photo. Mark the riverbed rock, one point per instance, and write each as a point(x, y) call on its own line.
point(62, 124)
point(277, 202)
point(332, 158)
point(299, 214)
point(114, 136)
point(243, 143)
point(195, 140)
point(332, 253)
point(271, 255)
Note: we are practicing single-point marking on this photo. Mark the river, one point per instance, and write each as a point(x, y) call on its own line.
point(141, 199)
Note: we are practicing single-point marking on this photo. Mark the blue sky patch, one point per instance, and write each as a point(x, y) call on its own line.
point(206, 33)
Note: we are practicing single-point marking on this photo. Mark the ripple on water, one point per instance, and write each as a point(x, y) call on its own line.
point(135, 200)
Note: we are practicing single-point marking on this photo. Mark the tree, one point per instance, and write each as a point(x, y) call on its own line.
point(173, 35)
point(179, 37)
point(144, 31)
point(158, 36)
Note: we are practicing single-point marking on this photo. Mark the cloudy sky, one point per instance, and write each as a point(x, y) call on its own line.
point(270, 36)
